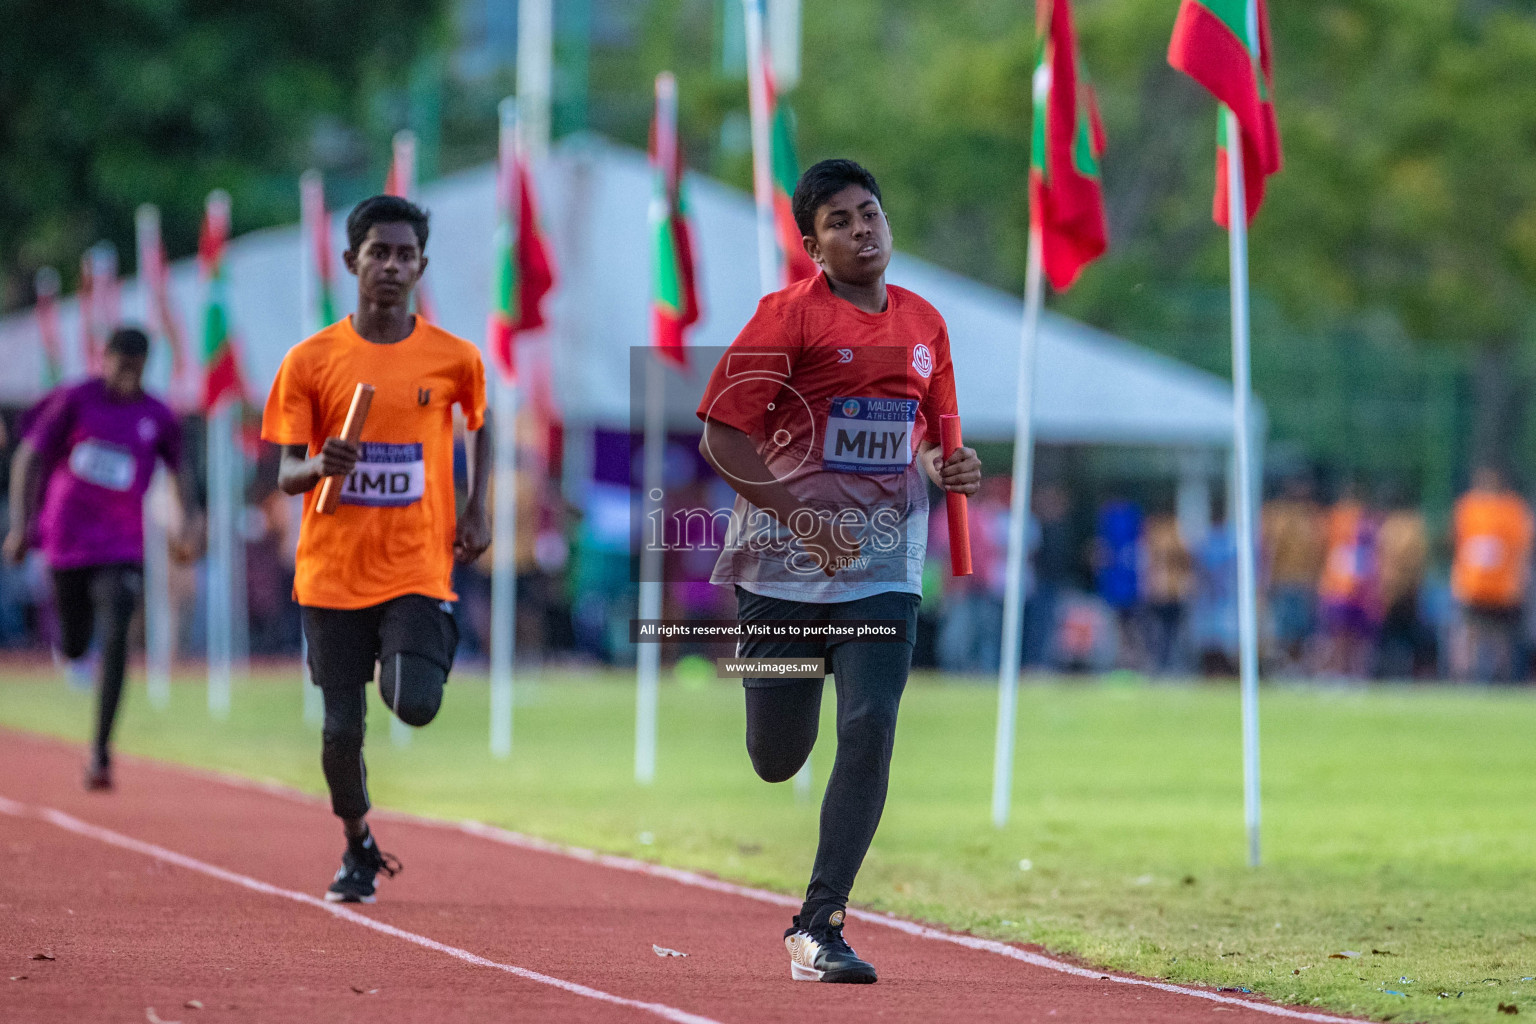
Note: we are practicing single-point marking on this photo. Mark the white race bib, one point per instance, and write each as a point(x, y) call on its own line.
point(387, 476)
point(102, 464)
point(869, 435)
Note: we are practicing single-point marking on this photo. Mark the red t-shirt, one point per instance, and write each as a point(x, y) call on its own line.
point(837, 401)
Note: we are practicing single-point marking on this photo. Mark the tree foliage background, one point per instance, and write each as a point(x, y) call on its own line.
point(1392, 265)
point(106, 104)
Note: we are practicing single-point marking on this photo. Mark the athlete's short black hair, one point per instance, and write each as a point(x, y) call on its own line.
point(821, 182)
point(385, 210)
point(129, 341)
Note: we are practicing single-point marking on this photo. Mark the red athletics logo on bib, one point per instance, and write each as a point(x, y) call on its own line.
point(922, 360)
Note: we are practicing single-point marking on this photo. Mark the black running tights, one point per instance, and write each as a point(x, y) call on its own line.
point(99, 600)
point(781, 729)
point(412, 688)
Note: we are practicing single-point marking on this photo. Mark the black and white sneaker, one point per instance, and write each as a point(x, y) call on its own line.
point(98, 774)
point(354, 883)
point(817, 951)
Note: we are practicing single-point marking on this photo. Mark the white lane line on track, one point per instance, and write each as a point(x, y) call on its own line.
point(698, 881)
point(517, 839)
point(160, 853)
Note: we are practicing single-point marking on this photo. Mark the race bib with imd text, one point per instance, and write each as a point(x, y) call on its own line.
point(387, 476)
point(869, 435)
point(105, 465)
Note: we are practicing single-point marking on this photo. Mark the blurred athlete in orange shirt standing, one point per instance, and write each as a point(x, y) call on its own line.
point(1491, 531)
point(373, 580)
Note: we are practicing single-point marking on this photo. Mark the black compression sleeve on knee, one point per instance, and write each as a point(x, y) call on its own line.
point(412, 686)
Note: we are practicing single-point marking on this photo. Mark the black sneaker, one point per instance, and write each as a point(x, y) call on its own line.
point(817, 951)
point(98, 774)
point(359, 866)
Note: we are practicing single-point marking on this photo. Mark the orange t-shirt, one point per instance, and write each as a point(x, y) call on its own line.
point(393, 532)
point(1493, 544)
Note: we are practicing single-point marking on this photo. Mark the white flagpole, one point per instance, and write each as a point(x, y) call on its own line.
point(1018, 536)
point(221, 520)
point(503, 568)
point(1247, 610)
point(157, 587)
point(221, 529)
point(312, 219)
point(535, 74)
point(648, 656)
point(504, 492)
point(769, 274)
point(762, 149)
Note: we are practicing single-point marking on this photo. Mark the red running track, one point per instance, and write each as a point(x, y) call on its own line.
point(184, 887)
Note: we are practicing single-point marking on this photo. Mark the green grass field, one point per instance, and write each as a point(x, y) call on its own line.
point(1398, 821)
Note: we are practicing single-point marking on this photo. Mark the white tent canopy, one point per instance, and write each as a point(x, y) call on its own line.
point(595, 198)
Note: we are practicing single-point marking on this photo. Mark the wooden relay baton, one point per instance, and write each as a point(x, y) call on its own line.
point(351, 430)
point(959, 520)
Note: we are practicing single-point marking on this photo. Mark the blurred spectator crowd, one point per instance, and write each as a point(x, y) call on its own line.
point(1352, 589)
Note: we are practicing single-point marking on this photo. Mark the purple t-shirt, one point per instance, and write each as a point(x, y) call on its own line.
point(99, 453)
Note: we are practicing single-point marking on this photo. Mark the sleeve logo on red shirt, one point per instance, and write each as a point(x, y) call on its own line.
point(922, 360)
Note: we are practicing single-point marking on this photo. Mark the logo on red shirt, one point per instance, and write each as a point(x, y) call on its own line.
point(922, 360)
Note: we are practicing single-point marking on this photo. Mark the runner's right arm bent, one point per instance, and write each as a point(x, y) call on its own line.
point(298, 472)
point(733, 455)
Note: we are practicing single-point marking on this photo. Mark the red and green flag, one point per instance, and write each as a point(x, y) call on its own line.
point(1225, 46)
point(675, 299)
point(46, 284)
point(1066, 193)
point(786, 172)
point(319, 268)
point(221, 365)
point(401, 181)
point(523, 272)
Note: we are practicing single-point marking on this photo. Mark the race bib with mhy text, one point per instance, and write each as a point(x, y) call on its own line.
point(869, 435)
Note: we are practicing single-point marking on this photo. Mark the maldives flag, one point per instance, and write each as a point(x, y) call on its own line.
point(675, 299)
point(786, 172)
point(1224, 45)
point(160, 311)
point(1066, 195)
point(401, 181)
point(221, 366)
point(319, 282)
point(523, 271)
point(46, 284)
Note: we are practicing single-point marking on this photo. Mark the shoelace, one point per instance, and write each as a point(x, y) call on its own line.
point(831, 940)
point(388, 864)
point(380, 861)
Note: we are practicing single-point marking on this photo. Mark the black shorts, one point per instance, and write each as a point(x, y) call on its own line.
point(890, 604)
point(346, 643)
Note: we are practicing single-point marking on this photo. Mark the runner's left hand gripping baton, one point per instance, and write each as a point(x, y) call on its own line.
point(351, 430)
point(956, 506)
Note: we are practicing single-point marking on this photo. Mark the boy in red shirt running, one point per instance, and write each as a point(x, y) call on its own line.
point(824, 418)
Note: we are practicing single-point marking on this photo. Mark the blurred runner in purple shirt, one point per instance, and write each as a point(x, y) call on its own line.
point(78, 481)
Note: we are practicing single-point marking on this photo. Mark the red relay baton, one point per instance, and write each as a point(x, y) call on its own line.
point(959, 519)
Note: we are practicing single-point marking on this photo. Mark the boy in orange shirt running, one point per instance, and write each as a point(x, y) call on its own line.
point(373, 580)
